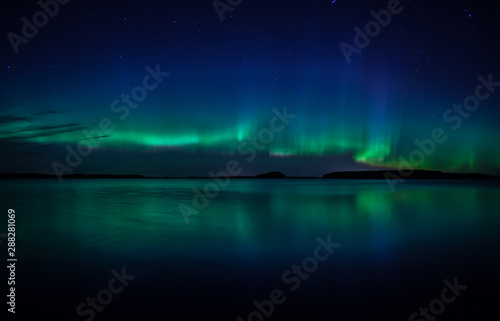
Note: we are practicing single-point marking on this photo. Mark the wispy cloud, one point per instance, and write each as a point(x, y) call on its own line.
point(7, 119)
point(42, 131)
point(29, 125)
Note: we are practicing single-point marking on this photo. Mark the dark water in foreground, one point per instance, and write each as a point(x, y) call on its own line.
point(396, 249)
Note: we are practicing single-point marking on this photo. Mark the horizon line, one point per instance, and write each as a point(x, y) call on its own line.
point(363, 174)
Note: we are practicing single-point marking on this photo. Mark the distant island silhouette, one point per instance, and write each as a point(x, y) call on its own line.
point(271, 175)
point(371, 174)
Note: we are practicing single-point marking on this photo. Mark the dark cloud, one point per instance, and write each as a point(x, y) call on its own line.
point(40, 128)
point(50, 132)
point(33, 131)
point(46, 112)
point(11, 118)
point(26, 116)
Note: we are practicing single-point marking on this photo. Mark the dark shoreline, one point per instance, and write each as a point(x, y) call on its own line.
point(378, 174)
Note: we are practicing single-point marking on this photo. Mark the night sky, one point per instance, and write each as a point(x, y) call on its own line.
point(213, 85)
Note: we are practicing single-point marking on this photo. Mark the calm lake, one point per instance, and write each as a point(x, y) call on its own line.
point(393, 254)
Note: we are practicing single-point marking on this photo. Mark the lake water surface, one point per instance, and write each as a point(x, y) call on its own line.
point(395, 251)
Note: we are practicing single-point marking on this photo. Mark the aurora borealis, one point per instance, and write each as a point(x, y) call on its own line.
point(225, 78)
